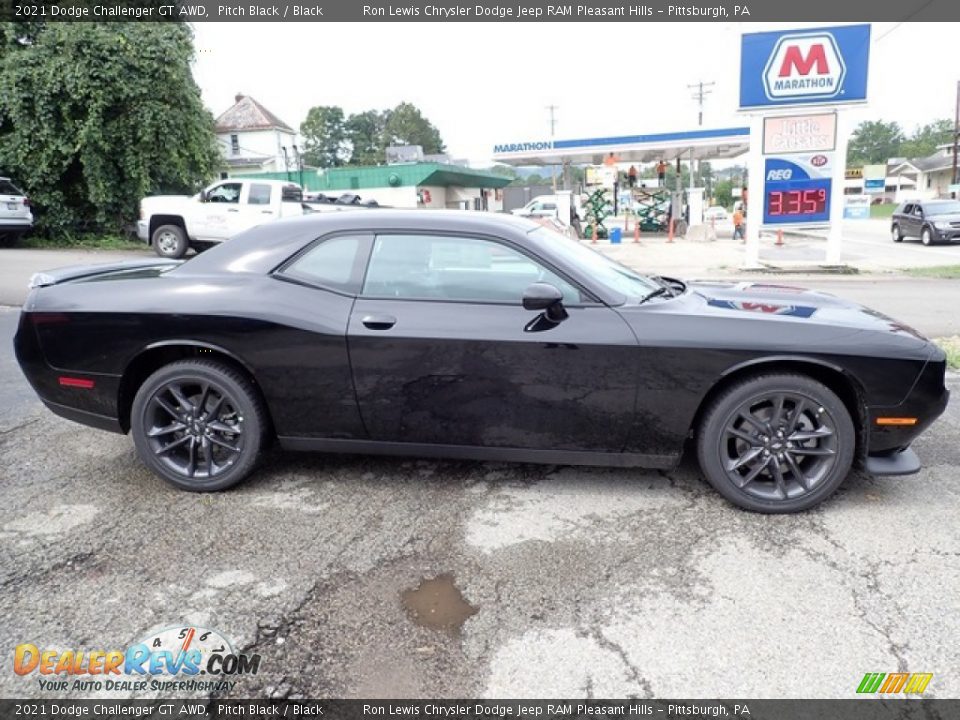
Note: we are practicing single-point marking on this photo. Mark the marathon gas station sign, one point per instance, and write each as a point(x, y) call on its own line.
point(804, 67)
point(794, 84)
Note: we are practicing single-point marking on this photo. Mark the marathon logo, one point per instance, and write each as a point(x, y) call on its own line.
point(804, 66)
point(523, 147)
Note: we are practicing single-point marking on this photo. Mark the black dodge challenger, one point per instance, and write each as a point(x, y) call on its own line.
point(473, 335)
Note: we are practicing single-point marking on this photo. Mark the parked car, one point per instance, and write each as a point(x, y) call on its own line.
point(540, 206)
point(475, 336)
point(933, 221)
point(16, 218)
point(715, 213)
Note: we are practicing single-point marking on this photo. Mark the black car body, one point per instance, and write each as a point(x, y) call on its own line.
point(932, 221)
point(507, 342)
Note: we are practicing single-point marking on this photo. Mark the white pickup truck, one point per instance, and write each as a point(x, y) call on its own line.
point(174, 223)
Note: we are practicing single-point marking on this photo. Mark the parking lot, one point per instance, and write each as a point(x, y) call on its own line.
point(547, 581)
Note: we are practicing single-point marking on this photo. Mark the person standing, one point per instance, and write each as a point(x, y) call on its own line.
point(661, 173)
point(738, 229)
point(632, 175)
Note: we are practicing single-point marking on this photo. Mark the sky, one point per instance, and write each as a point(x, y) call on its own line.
point(486, 83)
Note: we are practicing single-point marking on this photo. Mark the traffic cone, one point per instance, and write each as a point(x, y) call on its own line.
point(670, 232)
point(779, 237)
point(594, 241)
point(636, 231)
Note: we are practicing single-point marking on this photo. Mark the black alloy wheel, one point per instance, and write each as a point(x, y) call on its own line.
point(777, 443)
point(198, 424)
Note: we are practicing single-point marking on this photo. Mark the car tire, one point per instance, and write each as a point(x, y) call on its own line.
point(170, 241)
point(926, 237)
point(199, 424)
point(896, 234)
point(756, 469)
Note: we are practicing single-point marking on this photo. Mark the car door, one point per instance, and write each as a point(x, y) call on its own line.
point(260, 204)
point(443, 351)
point(916, 221)
point(219, 214)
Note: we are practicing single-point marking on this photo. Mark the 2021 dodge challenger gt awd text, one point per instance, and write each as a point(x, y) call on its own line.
point(480, 336)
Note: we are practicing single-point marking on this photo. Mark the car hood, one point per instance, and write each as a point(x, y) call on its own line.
point(946, 217)
point(786, 303)
point(165, 200)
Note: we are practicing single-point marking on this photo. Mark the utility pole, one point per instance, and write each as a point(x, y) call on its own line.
point(702, 90)
point(553, 127)
point(956, 139)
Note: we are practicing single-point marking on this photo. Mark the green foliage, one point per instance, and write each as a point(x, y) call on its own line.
point(365, 134)
point(94, 116)
point(874, 142)
point(362, 138)
point(723, 193)
point(925, 139)
point(325, 137)
point(406, 125)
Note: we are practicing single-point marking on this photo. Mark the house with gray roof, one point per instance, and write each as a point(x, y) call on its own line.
point(253, 139)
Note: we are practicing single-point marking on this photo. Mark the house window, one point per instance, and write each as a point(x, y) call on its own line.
point(234, 145)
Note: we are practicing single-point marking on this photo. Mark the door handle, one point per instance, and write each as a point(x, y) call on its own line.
point(267, 212)
point(379, 322)
point(232, 210)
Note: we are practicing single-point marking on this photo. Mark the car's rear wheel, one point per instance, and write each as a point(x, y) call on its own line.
point(896, 234)
point(776, 443)
point(170, 241)
point(199, 425)
point(926, 237)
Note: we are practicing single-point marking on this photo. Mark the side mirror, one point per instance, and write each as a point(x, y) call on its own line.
point(203, 196)
point(546, 298)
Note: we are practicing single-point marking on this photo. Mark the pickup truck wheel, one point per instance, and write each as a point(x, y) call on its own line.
point(169, 241)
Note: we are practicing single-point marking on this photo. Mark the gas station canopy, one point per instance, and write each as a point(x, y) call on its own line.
point(701, 144)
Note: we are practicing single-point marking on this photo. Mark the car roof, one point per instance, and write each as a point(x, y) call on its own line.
point(264, 247)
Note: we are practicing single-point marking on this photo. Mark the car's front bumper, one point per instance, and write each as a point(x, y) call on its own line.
point(143, 230)
point(946, 235)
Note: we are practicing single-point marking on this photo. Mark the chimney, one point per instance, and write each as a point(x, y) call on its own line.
point(238, 97)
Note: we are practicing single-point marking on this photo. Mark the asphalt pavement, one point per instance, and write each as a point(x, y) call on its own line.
point(541, 581)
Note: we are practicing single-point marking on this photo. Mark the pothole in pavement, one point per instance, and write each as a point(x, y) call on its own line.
point(438, 604)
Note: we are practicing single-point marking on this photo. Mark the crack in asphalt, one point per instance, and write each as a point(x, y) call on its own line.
point(634, 672)
point(74, 562)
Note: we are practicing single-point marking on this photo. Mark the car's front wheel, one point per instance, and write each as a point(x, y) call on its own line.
point(926, 236)
point(170, 241)
point(896, 234)
point(776, 443)
point(198, 424)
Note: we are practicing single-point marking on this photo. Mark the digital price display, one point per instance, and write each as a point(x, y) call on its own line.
point(796, 192)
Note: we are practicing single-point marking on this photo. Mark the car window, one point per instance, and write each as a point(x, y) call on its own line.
point(259, 194)
point(943, 207)
point(331, 263)
point(905, 209)
point(225, 193)
point(8, 188)
point(917, 210)
point(456, 268)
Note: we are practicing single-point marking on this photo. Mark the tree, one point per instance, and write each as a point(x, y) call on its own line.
point(94, 116)
point(723, 193)
point(325, 137)
point(874, 142)
point(926, 138)
point(364, 133)
point(406, 125)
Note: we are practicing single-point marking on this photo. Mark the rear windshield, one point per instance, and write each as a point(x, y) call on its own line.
point(8, 188)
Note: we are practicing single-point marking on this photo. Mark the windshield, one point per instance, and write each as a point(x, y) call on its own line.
point(599, 267)
point(942, 208)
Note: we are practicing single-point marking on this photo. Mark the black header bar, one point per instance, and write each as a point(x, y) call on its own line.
point(825, 11)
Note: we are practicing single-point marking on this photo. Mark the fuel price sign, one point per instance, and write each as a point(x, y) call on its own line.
point(797, 189)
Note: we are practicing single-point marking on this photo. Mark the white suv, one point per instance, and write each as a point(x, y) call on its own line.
point(15, 215)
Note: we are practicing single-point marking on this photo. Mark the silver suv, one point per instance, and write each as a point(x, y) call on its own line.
point(15, 216)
